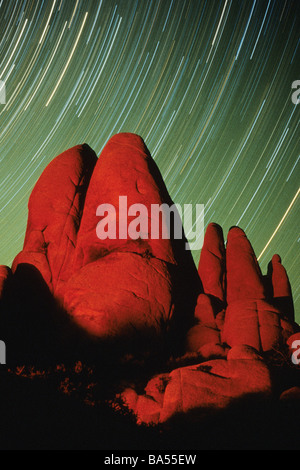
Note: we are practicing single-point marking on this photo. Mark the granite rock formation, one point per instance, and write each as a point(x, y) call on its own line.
point(236, 326)
point(144, 296)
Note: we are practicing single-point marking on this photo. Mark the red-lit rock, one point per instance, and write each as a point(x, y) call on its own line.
point(205, 330)
point(210, 385)
point(256, 323)
point(124, 285)
point(250, 318)
point(291, 394)
point(244, 278)
point(214, 327)
point(54, 213)
point(280, 281)
point(124, 168)
point(212, 262)
point(231, 339)
point(281, 288)
point(120, 294)
point(209, 311)
point(5, 274)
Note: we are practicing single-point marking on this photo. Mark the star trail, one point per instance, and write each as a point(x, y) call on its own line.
point(206, 84)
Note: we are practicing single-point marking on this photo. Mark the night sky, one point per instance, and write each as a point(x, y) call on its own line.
point(206, 84)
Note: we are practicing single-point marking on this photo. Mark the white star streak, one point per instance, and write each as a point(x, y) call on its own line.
point(280, 223)
point(68, 61)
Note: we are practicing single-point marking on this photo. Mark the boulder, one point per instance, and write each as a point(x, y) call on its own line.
point(208, 386)
point(124, 284)
point(250, 317)
point(244, 278)
point(54, 213)
point(212, 269)
point(281, 288)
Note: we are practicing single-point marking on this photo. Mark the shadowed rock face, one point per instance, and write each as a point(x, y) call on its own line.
point(143, 295)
